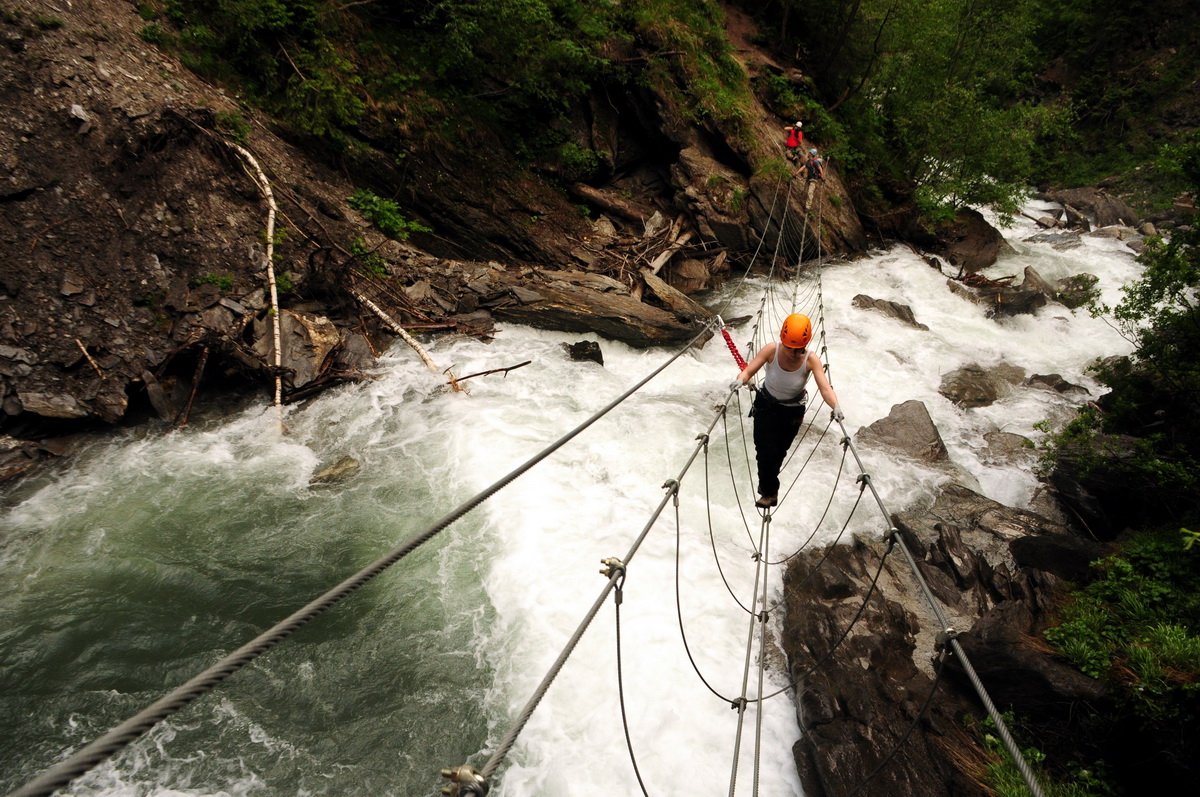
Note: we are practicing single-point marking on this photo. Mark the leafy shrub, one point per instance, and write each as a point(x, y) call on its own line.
point(222, 281)
point(578, 163)
point(372, 263)
point(384, 214)
point(1137, 625)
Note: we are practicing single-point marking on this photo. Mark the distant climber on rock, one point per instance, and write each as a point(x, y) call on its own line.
point(779, 406)
point(795, 141)
point(814, 167)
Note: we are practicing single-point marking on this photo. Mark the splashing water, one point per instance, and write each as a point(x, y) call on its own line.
point(152, 555)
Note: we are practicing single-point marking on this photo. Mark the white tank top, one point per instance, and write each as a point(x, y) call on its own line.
point(786, 386)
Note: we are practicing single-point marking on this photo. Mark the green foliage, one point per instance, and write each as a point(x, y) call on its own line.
point(697, 53)
point(1153, 393)
point(578, 163)
point(44, 22)
point(234, 125)
point(222, 281)
point(1005, 778)
point(385, 214)
point(283, 283)
point(1128, 66)
point(1138, 626)
point(372, 263)
point(933, 96)
point(156, 34)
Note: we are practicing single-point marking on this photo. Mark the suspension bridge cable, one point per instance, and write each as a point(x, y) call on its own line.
point(762, 659)
point(1001, 728)
point(618, 597)
point(894, 538)
point(616, 568)
point(687, 649)
point(712, 537)
point(937, 679)
point(741, 703)
point(825, 513)
point(119, 737)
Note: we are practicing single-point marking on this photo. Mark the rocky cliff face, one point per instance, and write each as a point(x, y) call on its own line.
point(134, 236)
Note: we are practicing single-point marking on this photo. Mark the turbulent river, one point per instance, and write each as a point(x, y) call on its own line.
point(150, 556)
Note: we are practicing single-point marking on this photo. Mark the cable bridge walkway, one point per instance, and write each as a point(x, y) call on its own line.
point(798, 290)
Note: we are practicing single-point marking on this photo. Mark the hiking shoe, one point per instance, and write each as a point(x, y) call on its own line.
point(765, 502)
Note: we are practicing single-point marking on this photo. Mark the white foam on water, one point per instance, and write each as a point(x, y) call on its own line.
point(500, 592)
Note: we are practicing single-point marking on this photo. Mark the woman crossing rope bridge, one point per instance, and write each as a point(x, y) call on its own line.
point(781, 402)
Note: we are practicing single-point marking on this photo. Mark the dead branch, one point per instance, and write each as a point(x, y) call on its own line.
point(496, 371)
point(83, 349)
point(181, 420)
point(393, 325)
point(264, 185)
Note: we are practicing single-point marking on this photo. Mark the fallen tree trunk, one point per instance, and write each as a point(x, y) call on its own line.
point(393, 325)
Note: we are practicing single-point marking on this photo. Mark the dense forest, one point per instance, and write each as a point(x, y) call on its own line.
point(933, 104)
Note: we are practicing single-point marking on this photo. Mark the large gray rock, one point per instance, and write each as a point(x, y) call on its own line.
point(909, 429)
point(901, 312)
point(976, 386)
point(992, 570)
point(1104, 209)
point(305, 342)
point(969, 242)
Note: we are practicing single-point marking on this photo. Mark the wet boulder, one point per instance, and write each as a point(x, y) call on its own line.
point(585, 351)
point(909, 429)
point(901, 312)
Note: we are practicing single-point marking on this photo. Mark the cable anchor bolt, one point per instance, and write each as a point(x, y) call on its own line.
point(463, 781)
point(612, 567)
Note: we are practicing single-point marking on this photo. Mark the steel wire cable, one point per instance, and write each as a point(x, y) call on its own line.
point(1001, 727)
point(849, 627)
point(713, 538)
point(672, 487)
point(741, 703)
point(104, 747)
point(762, 661)
point(894, 537)
point(617, 600)
point(795, 448)
point(754, 257)
point(729, 458)
point(679, 616)
point(937, 679)
point(825, 513)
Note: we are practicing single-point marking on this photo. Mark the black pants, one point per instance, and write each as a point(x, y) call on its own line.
point(775, 428)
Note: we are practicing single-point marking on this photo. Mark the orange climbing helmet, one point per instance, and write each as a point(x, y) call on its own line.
point(796, 332)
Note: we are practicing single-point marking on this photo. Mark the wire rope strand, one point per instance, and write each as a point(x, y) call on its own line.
point(741, 703)
point(119, 737)
point(762, 662)
point(712, 537)
point(510, 737)
point(679, 615)
point(621, 690)
point(937, 679)
point(1001, 727)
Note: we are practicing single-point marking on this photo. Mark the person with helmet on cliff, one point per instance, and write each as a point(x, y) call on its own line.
point(814, 166)
point(779, 406)
point(795, 141)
